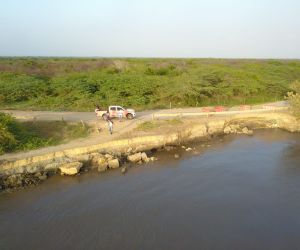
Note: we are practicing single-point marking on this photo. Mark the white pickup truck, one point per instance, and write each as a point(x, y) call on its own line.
point(117, 111)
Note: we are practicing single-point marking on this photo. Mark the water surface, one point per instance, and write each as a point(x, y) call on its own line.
point(241, 193)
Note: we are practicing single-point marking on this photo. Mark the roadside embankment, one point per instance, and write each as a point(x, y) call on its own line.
point(120, 152)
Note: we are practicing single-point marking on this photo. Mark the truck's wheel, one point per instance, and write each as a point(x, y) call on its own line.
point(103, 117)
point(129, 116)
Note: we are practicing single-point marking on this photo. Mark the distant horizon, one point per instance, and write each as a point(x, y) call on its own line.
point(136, 57)
point(248, 29)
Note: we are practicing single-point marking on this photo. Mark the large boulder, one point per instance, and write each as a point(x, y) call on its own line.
point(114, 163)
point(247, 131)
point(144, 157)
point(135, 157)
point(227, 130)
point(97, 160)
point(102, 167)
point(70, 168)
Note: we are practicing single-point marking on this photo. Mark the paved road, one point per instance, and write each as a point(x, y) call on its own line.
point(91, 117)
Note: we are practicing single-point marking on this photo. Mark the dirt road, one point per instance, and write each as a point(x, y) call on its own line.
point(143, 115)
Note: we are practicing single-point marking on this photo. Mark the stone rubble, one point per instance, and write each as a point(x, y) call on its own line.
point(114, 163)
point(237, 129)
point(71, 168)
point(134, 158)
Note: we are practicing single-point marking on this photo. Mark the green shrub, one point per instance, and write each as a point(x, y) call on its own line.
point(294, 98)
point(19, 88)
point(78, 84)
point(15, 136)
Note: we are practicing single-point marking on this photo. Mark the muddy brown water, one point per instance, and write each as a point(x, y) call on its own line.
point(239, 193)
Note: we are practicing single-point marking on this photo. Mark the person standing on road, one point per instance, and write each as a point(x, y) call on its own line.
point(120, 115)
point(109, 124)
point(97, 109)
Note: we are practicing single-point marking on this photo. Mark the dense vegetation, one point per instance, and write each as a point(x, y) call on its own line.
point(294, 98)
point(15, 136)
point(79, 84)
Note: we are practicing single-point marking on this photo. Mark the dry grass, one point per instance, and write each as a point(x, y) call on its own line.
point(158, 124)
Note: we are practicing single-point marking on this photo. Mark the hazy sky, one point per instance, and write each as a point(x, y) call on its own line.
point(150, 28)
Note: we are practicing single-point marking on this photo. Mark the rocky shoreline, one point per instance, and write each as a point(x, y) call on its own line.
point(71, 167)
point(122, 154)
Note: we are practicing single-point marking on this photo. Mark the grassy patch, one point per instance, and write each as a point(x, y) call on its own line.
point(148, 125)
point(175, 121)
point(152, 125)
point(16, 136)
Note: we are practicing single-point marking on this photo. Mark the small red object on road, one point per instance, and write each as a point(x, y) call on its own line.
point(219, 109)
